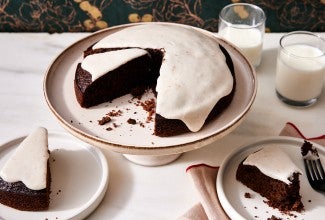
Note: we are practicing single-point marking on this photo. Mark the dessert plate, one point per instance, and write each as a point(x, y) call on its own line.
point(79, 179)
point(231, 192)
point(137, 139)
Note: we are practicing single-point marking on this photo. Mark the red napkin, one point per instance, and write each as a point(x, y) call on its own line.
point(204, 179)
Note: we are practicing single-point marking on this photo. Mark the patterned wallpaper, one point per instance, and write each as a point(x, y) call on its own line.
point(91, 15)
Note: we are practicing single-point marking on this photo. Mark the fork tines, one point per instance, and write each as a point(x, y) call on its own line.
point(316, 171)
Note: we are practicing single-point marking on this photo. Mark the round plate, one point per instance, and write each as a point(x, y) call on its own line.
point(231, 192)
point(136, 139)
point(74, 168)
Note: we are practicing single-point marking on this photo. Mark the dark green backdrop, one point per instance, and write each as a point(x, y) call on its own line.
point(92, 15)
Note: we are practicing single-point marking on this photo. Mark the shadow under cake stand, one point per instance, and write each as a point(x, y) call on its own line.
point(137, 142)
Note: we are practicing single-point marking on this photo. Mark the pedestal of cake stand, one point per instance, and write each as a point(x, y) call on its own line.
point(150, 160)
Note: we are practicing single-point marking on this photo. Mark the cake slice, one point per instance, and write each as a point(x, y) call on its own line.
point(25, 178)
point(271, 173)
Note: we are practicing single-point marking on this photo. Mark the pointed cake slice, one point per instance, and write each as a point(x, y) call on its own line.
point(25, 178)
point(271, 173)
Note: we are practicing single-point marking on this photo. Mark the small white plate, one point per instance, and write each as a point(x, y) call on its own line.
point(231, 192)
point(79, 179)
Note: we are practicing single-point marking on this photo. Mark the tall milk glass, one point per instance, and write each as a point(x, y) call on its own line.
point(244, 25)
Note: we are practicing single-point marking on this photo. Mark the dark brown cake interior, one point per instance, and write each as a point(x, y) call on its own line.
point(280, 195)
point(18, 196)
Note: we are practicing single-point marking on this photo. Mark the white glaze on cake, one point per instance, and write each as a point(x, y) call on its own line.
point(101, 63)
point(194, 75)
point(273, 162)
point(29, 161)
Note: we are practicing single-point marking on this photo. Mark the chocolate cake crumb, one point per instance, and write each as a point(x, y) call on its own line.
point(104, 120)
point(109, 129)
point(114, 113)
point(308, 147)
point(247, 195)
point(131, 121)
point(115, 125)
point(149, 106)
point(274, 218)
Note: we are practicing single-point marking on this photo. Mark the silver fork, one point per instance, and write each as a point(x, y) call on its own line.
point(314, 169)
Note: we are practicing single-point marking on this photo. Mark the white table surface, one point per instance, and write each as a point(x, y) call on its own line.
point(137, 192)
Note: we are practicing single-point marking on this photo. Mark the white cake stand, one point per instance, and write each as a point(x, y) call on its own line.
point(136, 142)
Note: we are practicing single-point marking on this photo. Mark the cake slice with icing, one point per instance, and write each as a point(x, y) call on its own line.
point(271, 173)
point(25, 177)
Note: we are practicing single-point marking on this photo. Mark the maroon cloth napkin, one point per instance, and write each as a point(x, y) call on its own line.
point(204, 179)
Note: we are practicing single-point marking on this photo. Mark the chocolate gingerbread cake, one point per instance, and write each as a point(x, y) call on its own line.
point(272, 174)
point(25, 179)
point(191, 74)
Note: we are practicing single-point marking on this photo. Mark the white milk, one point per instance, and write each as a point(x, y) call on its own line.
point(249, 40)
point(300, 76)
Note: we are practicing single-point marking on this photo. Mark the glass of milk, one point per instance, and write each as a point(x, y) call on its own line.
point(300, 68)
point(243, 25)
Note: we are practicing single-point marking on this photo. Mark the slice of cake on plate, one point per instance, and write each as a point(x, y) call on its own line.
point(25, 178)
point(271, 173)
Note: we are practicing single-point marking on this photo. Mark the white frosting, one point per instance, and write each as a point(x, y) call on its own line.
point(193, 76)
point(111, 60)
point(29, 161)
point(273, 162)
